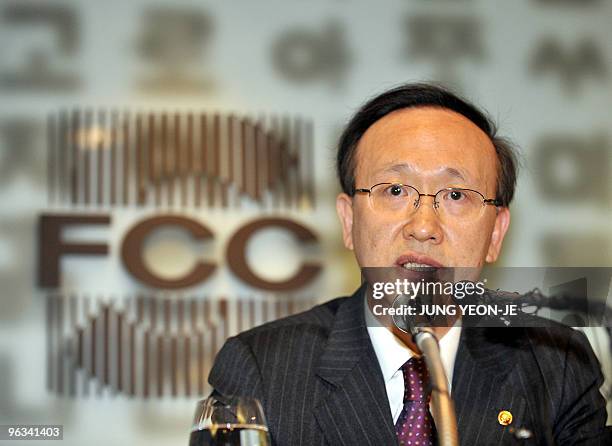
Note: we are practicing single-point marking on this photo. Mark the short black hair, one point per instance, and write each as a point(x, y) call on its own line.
point(416, 95)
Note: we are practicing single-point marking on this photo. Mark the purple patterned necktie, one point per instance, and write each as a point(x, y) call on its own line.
point(415, 426)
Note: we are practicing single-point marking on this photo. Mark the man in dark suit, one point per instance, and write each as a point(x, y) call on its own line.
point(426, 184)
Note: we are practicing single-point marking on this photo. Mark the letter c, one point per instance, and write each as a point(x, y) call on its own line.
point(236, 255)
point(131, 252)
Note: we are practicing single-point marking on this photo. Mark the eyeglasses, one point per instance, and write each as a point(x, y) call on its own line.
point(451, 202)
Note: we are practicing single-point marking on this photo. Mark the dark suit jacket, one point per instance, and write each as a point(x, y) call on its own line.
point(319, 381)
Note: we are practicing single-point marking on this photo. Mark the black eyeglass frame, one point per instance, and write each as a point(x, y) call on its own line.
point(485, 201)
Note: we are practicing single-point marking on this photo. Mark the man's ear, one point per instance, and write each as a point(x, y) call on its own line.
point(502, 221)
point(344, 208)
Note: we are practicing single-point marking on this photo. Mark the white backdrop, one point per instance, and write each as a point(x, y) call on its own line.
point(541, 68)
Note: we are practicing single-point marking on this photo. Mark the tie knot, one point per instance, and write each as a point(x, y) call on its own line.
point(416, 380)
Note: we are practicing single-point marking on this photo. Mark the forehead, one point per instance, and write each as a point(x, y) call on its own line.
point(428, 143)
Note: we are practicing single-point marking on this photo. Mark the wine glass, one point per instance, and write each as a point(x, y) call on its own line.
point(234, 421)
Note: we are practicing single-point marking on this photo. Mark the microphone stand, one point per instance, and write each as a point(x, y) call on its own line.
point(442, 407)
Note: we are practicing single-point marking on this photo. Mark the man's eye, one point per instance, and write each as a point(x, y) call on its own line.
point(396, 190)
point(456, 195)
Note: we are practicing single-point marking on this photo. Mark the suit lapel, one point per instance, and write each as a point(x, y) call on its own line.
point(355, 410)
point(482, 386)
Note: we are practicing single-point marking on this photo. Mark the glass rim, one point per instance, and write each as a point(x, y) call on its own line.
point(473, 212)
point(205, 406)
point(480, 202)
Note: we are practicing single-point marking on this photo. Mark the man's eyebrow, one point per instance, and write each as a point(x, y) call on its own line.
point(451, 171)
point(404, 168)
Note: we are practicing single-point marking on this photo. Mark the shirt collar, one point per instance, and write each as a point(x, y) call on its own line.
point(392, 353)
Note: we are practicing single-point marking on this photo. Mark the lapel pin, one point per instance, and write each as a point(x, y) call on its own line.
point(504, 418)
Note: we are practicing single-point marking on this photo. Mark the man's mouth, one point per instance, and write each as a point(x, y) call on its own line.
point(418, 263)
point(419, 267)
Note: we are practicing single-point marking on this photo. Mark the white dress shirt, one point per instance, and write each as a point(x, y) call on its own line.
point(392, 353)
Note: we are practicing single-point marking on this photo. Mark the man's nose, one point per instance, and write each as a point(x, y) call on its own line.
point(423, 223)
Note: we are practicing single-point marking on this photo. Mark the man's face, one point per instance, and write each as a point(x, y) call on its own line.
point(430, 149)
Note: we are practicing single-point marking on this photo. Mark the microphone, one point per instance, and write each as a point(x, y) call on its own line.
point(423, 336)
point(443, 408)
point(561, 301)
